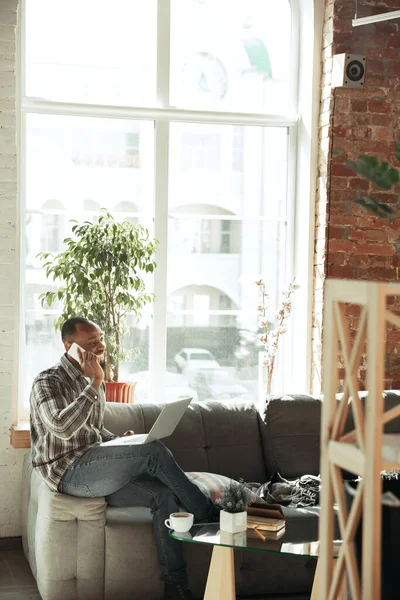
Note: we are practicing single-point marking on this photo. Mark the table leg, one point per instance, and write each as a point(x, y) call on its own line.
point(342, 595)
point(221, 575)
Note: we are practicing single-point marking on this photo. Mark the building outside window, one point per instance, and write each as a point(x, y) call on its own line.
point(51, 233)
point(201, 152)
point(226, 232)
point(208, 177)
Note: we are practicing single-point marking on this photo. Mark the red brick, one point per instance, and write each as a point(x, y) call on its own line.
point(337, 258)
point(382, 133)
point(380, 119)
point(339, 183)
point(378, 81)
point(383, 148)
point(356, 234)
point(377, 66)
point(359, 106)
point(342, 24)
point(341, 233)
point(340, 246)
point(342, 195)
point(356, 183)
point(377, 41)
point(342, 220)
point(340, 170)
point(341, 272)
point(395, 69)
point(344, 9)
point(396, 260)
point(378, 107)
point(361, 133)
point(392, 41)
point(340, 38)
point(381, 261)
point(342, 105)
point(375, 235)
point(381, 53)
point(378, 274)
point(374, 249)
point(342, 132)
point(386, 197)
point(352, 310)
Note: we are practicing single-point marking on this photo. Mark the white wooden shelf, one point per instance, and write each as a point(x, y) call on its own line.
point(366, 451)
point(349, 457)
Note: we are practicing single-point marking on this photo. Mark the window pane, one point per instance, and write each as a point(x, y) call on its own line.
point(74, 167)
point(230, 55)
point(227, 226)
point(92, 51)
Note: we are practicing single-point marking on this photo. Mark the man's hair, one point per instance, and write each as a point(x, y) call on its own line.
point(69, 327)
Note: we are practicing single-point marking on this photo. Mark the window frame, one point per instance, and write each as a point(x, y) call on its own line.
point(162, 115)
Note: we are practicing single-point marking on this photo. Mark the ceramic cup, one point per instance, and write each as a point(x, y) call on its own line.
point(181, 521)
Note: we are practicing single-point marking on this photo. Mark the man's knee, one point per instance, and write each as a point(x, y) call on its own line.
point(165, 500)
point(161, 449)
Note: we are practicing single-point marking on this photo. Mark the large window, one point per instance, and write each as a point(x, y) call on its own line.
point(184, 120)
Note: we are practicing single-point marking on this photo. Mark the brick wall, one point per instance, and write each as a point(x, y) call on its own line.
point(349, 242)
point(10, 459)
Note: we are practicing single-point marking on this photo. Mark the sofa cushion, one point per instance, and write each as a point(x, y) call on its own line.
point(214, 437)
point(128, 514)
point(292, 440)
point(211, 484)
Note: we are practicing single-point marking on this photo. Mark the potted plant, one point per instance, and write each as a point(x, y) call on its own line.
point(270, 333)
point(234, 500)
point(100, 276)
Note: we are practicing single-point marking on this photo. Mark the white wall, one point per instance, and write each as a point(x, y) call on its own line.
point(10, 458)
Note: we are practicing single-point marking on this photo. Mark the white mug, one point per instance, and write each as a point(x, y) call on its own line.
point(180, 522)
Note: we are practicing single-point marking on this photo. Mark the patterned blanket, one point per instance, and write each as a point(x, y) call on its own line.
point(291, 492)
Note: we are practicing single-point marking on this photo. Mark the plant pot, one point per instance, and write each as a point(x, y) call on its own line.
point(233, 522)
point(119, 392)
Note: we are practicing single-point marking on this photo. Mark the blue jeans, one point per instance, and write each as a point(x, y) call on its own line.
point(145, 475)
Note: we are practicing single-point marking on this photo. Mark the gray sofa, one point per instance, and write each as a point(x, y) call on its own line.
point(80, 549)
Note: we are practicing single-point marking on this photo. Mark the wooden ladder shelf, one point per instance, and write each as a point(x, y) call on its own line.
point(364, 451)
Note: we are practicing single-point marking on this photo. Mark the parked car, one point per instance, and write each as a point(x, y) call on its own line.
point(176, 387)
point(193, 359)
point(217, 384)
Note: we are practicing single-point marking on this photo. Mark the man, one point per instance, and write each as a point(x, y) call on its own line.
point(67, 409)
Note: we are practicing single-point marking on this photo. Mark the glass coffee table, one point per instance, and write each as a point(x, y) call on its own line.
point(221, 575)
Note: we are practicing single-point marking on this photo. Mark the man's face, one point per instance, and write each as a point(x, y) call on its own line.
point(90, 338)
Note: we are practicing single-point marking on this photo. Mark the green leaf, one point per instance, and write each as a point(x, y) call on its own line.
point(384, 211)
point(369, 167)
point(100, 275)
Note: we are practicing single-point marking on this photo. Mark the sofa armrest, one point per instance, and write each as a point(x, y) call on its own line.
point(69, 546)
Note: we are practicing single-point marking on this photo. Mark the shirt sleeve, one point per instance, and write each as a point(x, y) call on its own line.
point(106, 435)
point(62, 418)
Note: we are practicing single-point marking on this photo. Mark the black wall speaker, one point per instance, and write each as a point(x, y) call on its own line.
point(348, 70)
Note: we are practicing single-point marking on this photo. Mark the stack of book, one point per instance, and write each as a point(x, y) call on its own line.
point(266, 520)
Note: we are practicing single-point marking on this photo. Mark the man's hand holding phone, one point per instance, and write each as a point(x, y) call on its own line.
point(90, 366)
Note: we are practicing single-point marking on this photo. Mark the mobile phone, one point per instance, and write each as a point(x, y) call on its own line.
point(73, 352)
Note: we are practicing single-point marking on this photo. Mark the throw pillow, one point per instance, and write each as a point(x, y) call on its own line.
point(211, 484)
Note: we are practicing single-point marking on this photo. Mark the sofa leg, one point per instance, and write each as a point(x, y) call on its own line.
point(221, 575)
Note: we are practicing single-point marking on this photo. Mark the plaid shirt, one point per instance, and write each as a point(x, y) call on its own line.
point(66, 419)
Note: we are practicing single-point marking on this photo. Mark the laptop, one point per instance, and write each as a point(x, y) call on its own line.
point(164, 426)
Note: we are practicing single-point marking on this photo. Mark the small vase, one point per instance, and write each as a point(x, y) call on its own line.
point(233, 522)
